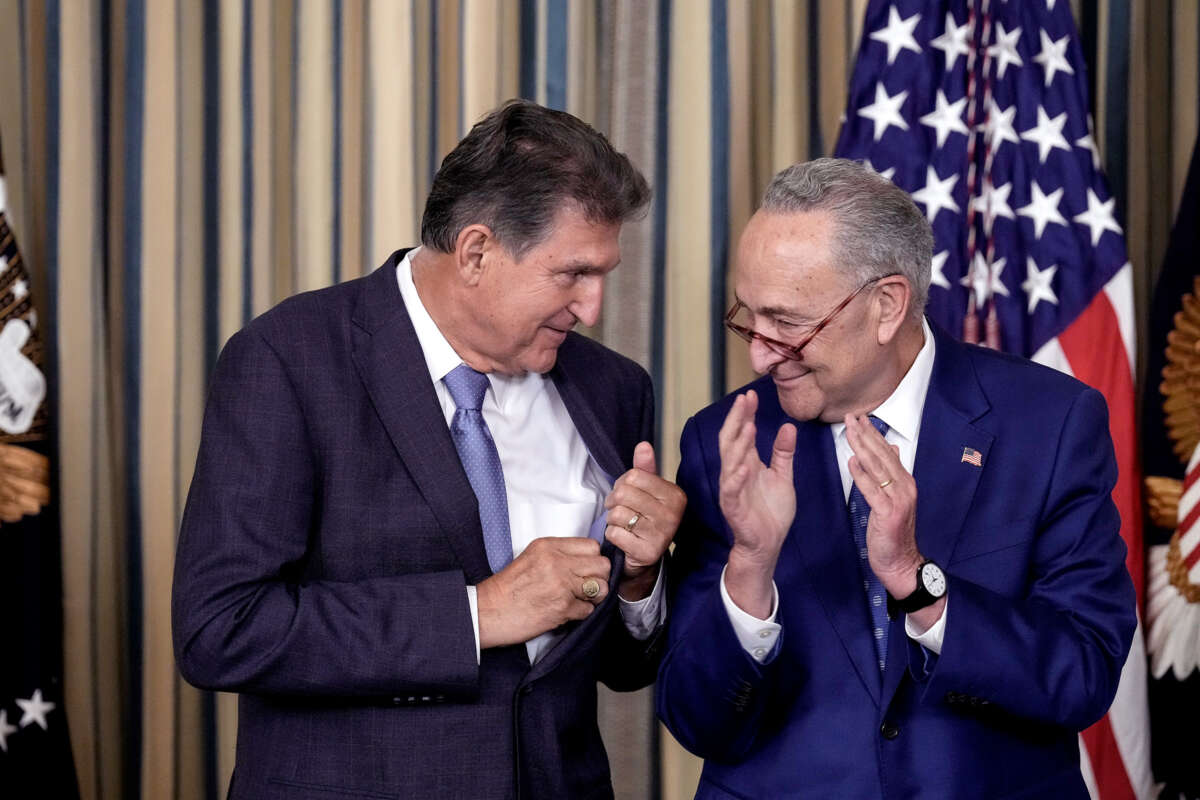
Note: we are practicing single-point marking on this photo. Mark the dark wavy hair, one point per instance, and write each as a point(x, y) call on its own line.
point(517, 167)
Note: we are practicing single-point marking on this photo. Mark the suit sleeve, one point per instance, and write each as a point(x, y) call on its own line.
point(1054, 652)
point(244, 619)
point(711, 694)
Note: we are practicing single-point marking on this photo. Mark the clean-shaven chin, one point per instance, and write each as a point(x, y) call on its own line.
point(542, 354)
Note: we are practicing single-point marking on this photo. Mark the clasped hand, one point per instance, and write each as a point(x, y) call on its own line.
point(657, 505)
point(548, 584)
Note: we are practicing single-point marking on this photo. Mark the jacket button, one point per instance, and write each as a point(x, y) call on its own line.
point(526, 689)
point(889, 730)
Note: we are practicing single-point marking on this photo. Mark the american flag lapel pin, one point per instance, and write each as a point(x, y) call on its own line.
point(972, 456)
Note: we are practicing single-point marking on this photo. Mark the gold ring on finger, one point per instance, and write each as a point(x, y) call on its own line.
point(591, 588)
point(632, 521)
point(886, 484)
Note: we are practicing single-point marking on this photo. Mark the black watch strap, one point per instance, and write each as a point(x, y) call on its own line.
point(919, 599)
point(922, 596)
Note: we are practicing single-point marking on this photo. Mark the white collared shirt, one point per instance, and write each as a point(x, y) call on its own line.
point(553, 485)
point(902, 412)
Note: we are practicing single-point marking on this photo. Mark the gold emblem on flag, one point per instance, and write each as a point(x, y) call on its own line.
point(1173, 592)
point(1181, 377)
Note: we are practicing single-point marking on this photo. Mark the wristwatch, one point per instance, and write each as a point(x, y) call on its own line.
point(931, 585)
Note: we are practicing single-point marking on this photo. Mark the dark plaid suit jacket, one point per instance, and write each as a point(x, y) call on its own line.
point(328, 536)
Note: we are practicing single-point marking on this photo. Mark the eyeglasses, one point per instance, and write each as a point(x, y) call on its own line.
point(790, 351)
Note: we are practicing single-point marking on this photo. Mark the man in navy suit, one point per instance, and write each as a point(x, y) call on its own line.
point(900, 574)
point(425, 518)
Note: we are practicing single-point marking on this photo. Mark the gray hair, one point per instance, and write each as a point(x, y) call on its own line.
point(878, 229)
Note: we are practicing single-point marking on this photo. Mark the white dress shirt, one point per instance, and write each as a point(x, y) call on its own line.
point(902, 413)
point(554, 486)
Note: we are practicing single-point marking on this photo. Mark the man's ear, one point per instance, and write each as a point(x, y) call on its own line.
point(893, 297)
point(471, 250)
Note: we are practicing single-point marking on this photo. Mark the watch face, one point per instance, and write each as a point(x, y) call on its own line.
point(933, 579)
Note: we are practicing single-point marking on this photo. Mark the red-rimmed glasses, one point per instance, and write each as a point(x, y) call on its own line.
point(791, 351)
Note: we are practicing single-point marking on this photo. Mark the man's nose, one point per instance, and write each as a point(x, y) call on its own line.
point(762, 357)
point(589, 297)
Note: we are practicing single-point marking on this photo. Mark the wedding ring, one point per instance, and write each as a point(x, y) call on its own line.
point(632, 521)
point(591, 588)
point(886, 484)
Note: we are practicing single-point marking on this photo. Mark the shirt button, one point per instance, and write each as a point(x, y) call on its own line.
point(760, 653)
point(763, 634)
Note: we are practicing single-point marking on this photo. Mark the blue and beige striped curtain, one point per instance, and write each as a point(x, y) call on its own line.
point(176, 167)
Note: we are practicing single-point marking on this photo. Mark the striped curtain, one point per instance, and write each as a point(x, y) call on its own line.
point(176, 168)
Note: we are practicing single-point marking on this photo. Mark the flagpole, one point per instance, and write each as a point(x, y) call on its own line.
point(971, 320)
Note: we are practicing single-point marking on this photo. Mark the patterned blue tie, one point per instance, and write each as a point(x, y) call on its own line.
point(479, 458)
point(876, 598)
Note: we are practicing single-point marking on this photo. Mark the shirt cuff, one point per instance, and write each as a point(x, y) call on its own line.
point(473, 601)
point(643, 617)
point(756, 636)
point(931, 639)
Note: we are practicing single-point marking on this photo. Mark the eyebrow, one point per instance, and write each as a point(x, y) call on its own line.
point(777, 311)
point(586, 266)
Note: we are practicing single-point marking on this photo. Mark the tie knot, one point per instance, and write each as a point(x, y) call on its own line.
point(467, 387)
point(879, 425)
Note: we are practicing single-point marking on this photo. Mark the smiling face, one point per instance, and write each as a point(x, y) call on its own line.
point(787, 278)
point(523, 308)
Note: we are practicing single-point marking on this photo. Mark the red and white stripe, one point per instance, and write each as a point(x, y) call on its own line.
point(1189, 519)
point(1098, 349)
point(1173, 636)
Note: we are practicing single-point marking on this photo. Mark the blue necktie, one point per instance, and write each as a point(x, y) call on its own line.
point(481, 462)
point(876, 597)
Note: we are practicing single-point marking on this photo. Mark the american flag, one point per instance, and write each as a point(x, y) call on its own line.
point(972, 456)
point(35, 748)
point(979, 109)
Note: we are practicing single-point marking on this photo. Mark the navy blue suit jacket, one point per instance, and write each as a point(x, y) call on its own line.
point(328, 538)
point(1040, 615)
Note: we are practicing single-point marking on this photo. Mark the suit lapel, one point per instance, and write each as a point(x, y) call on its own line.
point(569, 381)
point(946, 484)
point(822, 537)
point(390, 362)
